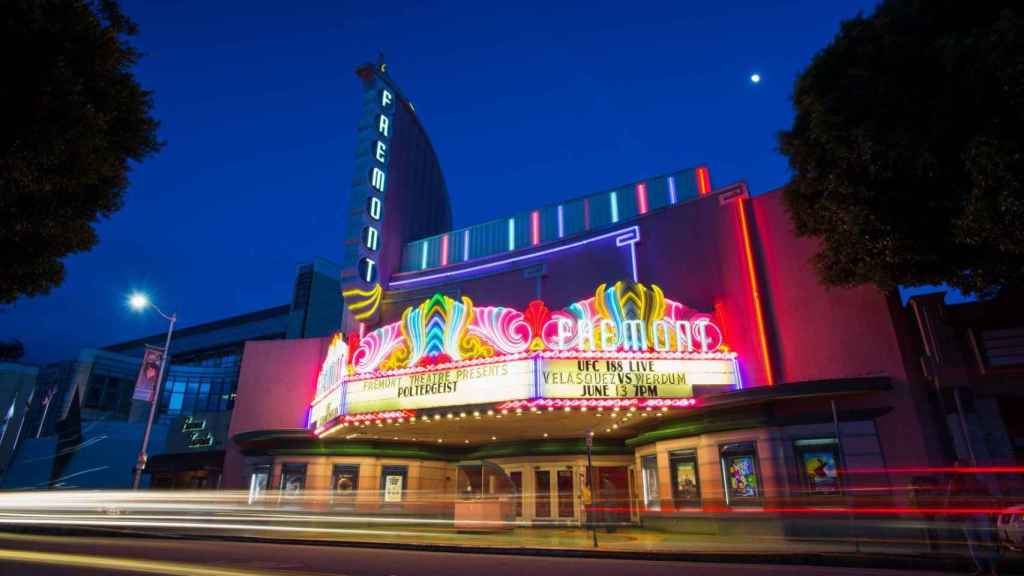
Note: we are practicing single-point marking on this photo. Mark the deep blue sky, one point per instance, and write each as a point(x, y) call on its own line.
point(525, 104)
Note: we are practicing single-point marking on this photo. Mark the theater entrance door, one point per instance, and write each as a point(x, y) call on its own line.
point(548, 493)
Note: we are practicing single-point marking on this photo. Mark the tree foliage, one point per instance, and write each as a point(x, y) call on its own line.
point(11, 350)
point(907, 150)
point(73, 117)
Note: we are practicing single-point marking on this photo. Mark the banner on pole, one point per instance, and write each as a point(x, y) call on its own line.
point(145, 384)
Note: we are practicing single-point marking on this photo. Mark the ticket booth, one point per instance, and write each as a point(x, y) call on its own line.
point(484, 499)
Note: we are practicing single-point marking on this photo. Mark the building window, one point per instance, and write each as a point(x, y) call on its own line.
point(392, 483)
point(293, 479)
point(685, 481)
point(649, 467)
point(818, 459)
point(740, 474)
point(344, 484)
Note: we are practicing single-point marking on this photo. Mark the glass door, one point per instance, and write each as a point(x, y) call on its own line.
point(634, 504)
point(566, 494)
point(516, 476)
point(612, 494)
point(542, 493)
point(555, 494)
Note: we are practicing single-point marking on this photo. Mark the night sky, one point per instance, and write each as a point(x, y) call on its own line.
point(545, 101)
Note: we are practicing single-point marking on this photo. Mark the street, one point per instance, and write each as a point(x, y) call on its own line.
point(22, 554)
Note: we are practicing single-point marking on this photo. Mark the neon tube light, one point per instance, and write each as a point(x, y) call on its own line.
point(632, 233)
point(535, 227)
point(363, 303)
point(615, 206)
point(511, 233)
point(598, 403)
point(465, 245)
point(755, 292)
point(444, 250)
point(561, 222)
point(703, 181)
point(641, 197)
point(423, 256)
point(672, 189)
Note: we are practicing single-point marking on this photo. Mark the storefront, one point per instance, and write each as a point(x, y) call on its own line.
point(677, 328)
point(649, 382)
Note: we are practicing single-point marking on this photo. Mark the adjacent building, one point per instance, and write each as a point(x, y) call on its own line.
point(83, 429)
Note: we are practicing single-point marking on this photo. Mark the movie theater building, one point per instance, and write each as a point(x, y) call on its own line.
point(675, 327)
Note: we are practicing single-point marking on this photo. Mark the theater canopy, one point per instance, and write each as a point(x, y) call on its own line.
point(627, 346)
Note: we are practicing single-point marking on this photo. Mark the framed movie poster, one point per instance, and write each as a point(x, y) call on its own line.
point(293, 479)
point(392, 483)
point(344, 483)
point(819, 465)
point(685, 483)
point(392, 488)
point(740, 473)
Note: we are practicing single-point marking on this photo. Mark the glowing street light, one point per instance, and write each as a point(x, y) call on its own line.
point(140, 302)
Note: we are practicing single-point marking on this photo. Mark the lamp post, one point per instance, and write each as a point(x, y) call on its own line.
point(140, 302)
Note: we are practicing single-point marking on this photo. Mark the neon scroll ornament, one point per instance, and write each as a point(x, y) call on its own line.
point(624, 317)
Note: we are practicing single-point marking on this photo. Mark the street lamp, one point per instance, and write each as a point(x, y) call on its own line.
point(139, 302)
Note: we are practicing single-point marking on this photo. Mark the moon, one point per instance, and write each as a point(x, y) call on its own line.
point(755, 78)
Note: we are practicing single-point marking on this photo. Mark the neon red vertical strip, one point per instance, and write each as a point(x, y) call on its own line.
point(535, 227)
point(755, 291)
point(703, 181)
point(586, 214)
point(641, 197)
point(444, 250)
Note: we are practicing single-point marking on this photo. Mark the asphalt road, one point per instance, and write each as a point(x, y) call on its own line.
point(65, 555)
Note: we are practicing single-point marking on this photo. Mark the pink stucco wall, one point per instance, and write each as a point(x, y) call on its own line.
point(692, 251)
point(819, 332)
point(275, 386)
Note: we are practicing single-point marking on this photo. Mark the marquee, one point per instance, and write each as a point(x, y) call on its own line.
point(627, 345)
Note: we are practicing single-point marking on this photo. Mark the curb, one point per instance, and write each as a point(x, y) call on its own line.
point(873, 561)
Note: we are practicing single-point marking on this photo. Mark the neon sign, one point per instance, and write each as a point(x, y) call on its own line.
point(334, 366)
point(627, 345)
point(623, 317)
point(364, 300)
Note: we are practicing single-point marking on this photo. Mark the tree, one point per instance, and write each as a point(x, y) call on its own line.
point(906, 147)
point(73, 116)
point(11, 350)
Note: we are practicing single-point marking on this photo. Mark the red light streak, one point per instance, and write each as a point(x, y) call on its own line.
point(535, 227)
point(641, 197)
point(444, 250)
point(939, 470)
point(755, 292)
